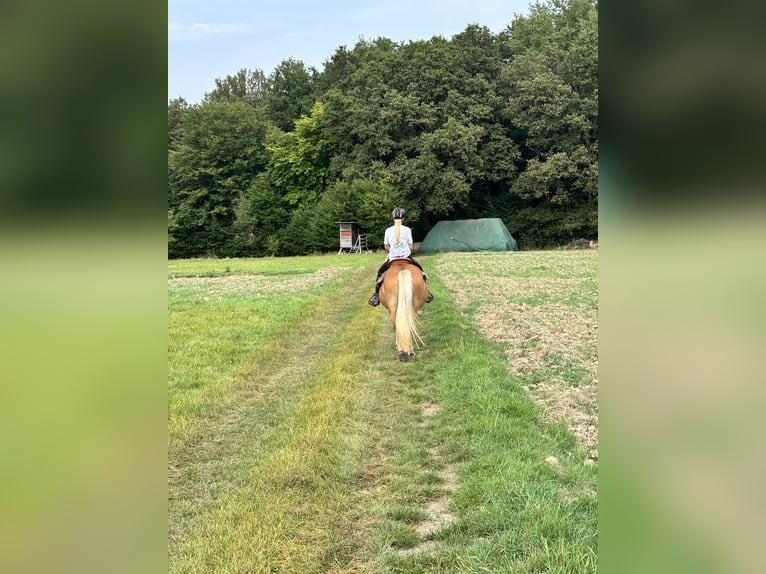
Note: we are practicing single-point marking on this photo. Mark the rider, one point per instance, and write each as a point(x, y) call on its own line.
point(398, 242)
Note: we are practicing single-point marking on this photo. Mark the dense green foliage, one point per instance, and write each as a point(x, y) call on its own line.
point(482, 125)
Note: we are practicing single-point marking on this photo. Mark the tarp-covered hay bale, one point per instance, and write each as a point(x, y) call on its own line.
point(489, 234)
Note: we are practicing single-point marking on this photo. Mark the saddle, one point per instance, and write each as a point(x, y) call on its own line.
point(400, 261)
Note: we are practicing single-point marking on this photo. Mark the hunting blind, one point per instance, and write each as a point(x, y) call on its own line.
point(351, 238)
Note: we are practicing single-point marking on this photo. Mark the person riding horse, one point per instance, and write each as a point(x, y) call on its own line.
point(398, 242)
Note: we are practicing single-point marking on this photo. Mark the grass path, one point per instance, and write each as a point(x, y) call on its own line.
point(217, 466)
point(319, 452)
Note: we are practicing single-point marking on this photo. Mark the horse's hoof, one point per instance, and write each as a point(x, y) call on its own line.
point(402, 356)
point(412, 353)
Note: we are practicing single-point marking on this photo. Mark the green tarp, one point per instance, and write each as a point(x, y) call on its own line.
point(489, 234)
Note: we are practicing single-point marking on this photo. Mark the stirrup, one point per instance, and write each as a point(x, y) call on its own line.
point(430, 297)
point(374, 300)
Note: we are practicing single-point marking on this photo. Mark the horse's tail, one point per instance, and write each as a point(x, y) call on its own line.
point(406, 317)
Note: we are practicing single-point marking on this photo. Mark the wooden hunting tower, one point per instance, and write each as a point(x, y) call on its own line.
point(351, 238)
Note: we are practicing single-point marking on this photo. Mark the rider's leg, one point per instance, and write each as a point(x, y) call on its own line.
point(375, 299)
point(425, 277)
point(419, 266)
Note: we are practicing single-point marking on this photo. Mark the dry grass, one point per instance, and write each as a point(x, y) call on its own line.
point(541, 307)
point(251, 285)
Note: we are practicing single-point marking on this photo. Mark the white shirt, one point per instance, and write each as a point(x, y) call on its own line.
point(402, 248)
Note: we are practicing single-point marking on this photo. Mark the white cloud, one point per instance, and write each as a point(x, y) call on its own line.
point(178, 31)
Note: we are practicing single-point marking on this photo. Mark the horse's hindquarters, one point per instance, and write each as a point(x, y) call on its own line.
point(403, 293)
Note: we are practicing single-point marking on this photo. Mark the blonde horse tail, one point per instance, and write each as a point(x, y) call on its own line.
point(406, 318)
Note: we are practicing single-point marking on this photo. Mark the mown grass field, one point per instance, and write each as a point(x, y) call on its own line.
point(298, 443)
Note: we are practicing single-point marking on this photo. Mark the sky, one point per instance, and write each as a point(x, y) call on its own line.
point(209, 39)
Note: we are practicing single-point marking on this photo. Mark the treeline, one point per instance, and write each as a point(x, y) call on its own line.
point(481, 125)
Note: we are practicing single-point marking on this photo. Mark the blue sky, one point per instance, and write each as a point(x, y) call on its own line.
point(209, 39)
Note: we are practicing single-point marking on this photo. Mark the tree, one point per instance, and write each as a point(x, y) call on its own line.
point(220, 151)
point(291, 93)
point(266, 216)
point(251, 87)
point(549, 110)
point(550, 82)
point(176, 109)
point(300, 159)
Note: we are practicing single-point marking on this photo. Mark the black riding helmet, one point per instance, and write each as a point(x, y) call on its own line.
point(398, 213)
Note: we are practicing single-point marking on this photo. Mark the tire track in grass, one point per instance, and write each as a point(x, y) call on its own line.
point(206, 465)
point(437, 514)
point(300, 504)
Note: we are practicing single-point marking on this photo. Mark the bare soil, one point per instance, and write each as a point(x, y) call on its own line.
point(552, 345)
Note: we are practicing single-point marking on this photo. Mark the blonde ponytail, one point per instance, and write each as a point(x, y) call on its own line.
point(398, 231)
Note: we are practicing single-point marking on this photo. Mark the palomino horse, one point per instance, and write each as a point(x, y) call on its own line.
point(403, 293)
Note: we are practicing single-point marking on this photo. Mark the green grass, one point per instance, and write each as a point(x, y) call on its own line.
point(298, 443)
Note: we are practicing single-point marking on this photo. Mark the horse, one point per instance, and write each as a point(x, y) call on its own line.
point(403, 292)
